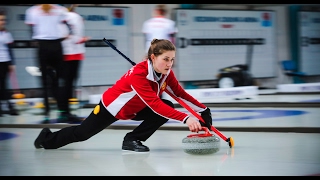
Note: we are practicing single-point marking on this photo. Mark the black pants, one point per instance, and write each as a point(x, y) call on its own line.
point(4, 92)
point(95, 123)
point(4, 74)
point(50, 58)
point(70, 76)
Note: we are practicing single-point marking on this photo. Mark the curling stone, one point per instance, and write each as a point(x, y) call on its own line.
point(74, 103)
point(201, 144)
point(39, 105)
point(38, 108)
point(21, 105)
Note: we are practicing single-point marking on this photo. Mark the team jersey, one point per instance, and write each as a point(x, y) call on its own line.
point(73, 46)
point(139, 88)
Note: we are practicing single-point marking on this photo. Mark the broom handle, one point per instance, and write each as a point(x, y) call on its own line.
point(182, 103)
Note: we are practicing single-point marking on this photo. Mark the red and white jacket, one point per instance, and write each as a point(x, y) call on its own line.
point(73, 46)
point(139, 88)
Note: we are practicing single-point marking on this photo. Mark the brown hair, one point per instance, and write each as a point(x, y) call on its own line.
point(159, 46)
point(162, 8)
point(46, 7)
point(2, 12)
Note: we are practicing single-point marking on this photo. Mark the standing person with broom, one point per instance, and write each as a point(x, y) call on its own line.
point(136, 96)
point(6, 64)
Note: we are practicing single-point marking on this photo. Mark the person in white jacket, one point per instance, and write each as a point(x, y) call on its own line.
point(73, 53)
point(7, 64)
point(45, 21)
point(159, 26)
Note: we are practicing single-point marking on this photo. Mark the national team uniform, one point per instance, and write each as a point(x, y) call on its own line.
point(6, 60)
point(134, 96)
point(47, 32)
point(73, 52)
point(133, 92)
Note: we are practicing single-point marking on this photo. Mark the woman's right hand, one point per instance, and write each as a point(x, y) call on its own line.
point(193, 124)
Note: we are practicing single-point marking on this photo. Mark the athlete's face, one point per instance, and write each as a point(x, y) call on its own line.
point(163, 63)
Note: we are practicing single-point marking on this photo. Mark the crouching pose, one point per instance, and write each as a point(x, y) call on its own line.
point(135, 96)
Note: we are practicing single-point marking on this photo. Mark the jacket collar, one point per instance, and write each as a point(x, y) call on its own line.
point(151, 76)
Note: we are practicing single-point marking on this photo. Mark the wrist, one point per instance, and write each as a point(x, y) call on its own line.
point(206, 110)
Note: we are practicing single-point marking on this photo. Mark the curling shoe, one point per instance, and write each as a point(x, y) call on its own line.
point(38, 142)
point(12, 110)
point(46, 120)
point(136, 146)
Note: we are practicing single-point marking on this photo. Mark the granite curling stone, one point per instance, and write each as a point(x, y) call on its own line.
point(201, 144)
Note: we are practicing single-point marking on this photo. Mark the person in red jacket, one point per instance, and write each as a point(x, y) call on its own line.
point(135, 96)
